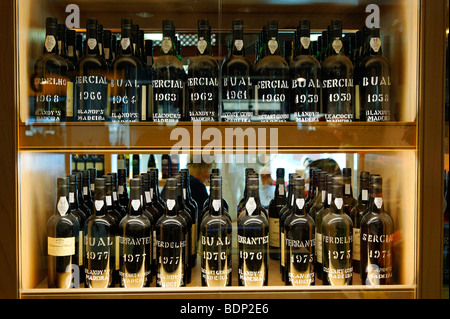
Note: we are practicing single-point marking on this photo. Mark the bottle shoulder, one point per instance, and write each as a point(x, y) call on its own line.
point(88, 61)
point(236, 61)
point(335, 218)
point(140, 221)
point(372, 218)
point(167, 61)
point(123, 61)
point(334, 61)
point(272, 62)
point(203, 62)
point(304, 61)
point(297, 220)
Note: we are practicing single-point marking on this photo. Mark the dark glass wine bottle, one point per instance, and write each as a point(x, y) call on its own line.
point(377, 238)
point(349, 200)
point(51, 81)
point(203, 79)
point(207, 204)
point(108, 47)
point(275, 206)
point(99, 241)
point(337, 80)
point(91, 85)
point(237, 86)
point(216, 242)
point(272, 81)
point(62, 242)
point(128, 102)
point(248, 172)
point(135, 243)
point(169, 80)
point(318, 219)
point(284, 213)
point(87, 194)
point(357, 214)
point(81, 204)
point(305, 97)
point(312, 188)
point(115, 196)
point(337, 237)
point(299, 229)
point(122, 190)
point(253, 240)
point(92, 176)
point(171, 234)
point(72, 47)
point(373, 82)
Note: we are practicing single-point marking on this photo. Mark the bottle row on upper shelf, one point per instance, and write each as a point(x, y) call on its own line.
point(113, 236)
point(92, 79)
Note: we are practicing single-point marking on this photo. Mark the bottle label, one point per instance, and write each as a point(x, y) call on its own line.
point(339, 202)
point(99, 204)
point(337, 259)
point(170, 204)
point(125, 43)
point(85, 190)
point(92, 43)
point(281, 189)
point(347, 189)
point(375, 44)
point(50, 43)
point(365, 195)
point(166, 44)
point(108, 201)
point(148, 198)
point(272, 45)
point(239, 44)
point(126, 98)
point(378, 201)
point(283, 250)
point(305, 41)
point(216, 203)
point(71, 198)
point(319, 247)
point(60, 247)
point(91, 98)
point(274, 232)
point(301, 261)
point(337, 45)
point(252, 270)
point(120, 190)
point(63, 206)
point(356, 243)
point(300, 202)
point(202, 45)
point(250, 206)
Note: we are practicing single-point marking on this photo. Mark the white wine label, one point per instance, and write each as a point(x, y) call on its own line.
point(305, 41)
point(339, 202)
point(85, 190)
point(166, 45)
point(99, 204)
point(93, 187)
point(108, 200)
point(114, 196)
point(356, 243)
point(63, 206)
point(71, 198)
point(216, 204)
point(329, 198)
point(170, 204)
point(135, 203)
point(60, 247)
point(151, 194)
point(184, 193)
point(125, 43)
point(239, 44)
point(281, 190)
point(365, 195)
point(378, 201)
point(337, 45)
point(69, 99)
point(274, 232)
point(148, 198)
point(92, 43)
point(375, 44)
point(272, 45)
point(201, 45)
point(250, 206)
point(120, 190)
point(50, 43)
point(300, 202)
point(347, 189)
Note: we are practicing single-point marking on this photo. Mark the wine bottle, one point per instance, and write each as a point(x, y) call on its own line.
point(312, 188)
point(284, 213)
point(377, 238)
point(171, 234)
point(349, 200)
point(51, 81)
point(128, 95)
point(337, 80)
point(135, 243)
point(75, 210)
point(122, 190)
point(216, 242)
point(253, 240)
point(272, 80)
point(275, 206)
point(99, 241)
point(168, 80)
point(337, 237)
point(357, 214)
point(203, 79)
point(115, 196)
point(87, 194)
point(79, 194)
point(299, 229)
point(237, 86)
point(71, 37)
point(91, 85)
point(319, 216)
point(305, 77)
point(207, 204)
point(62, 242)
point(248, 172)
point(373, 82)
point(92, 176)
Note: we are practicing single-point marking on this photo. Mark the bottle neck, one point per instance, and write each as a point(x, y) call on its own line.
point(215, 201)
point(376, 204)
point(100, 202)
point(92, 47)
point(280, 191)
point(204, 43)
point(135, 206)
point(336, 46)
point(272, 46)
point(109, 196)
point(337, 202)
point(87, 190)
point(348, 190)
point(304, 45)
point(62, 200)
point(171, 202)
point(73, 196)
point(363, 196)
point(168, 44)
point(126, 43)
point(238, 44)
point(299, 201)
point(374, 46)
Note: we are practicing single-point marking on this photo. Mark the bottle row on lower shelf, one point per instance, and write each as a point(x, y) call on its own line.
point(121, 239)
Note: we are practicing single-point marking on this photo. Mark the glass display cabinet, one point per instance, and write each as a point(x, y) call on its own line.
point(406, 150)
